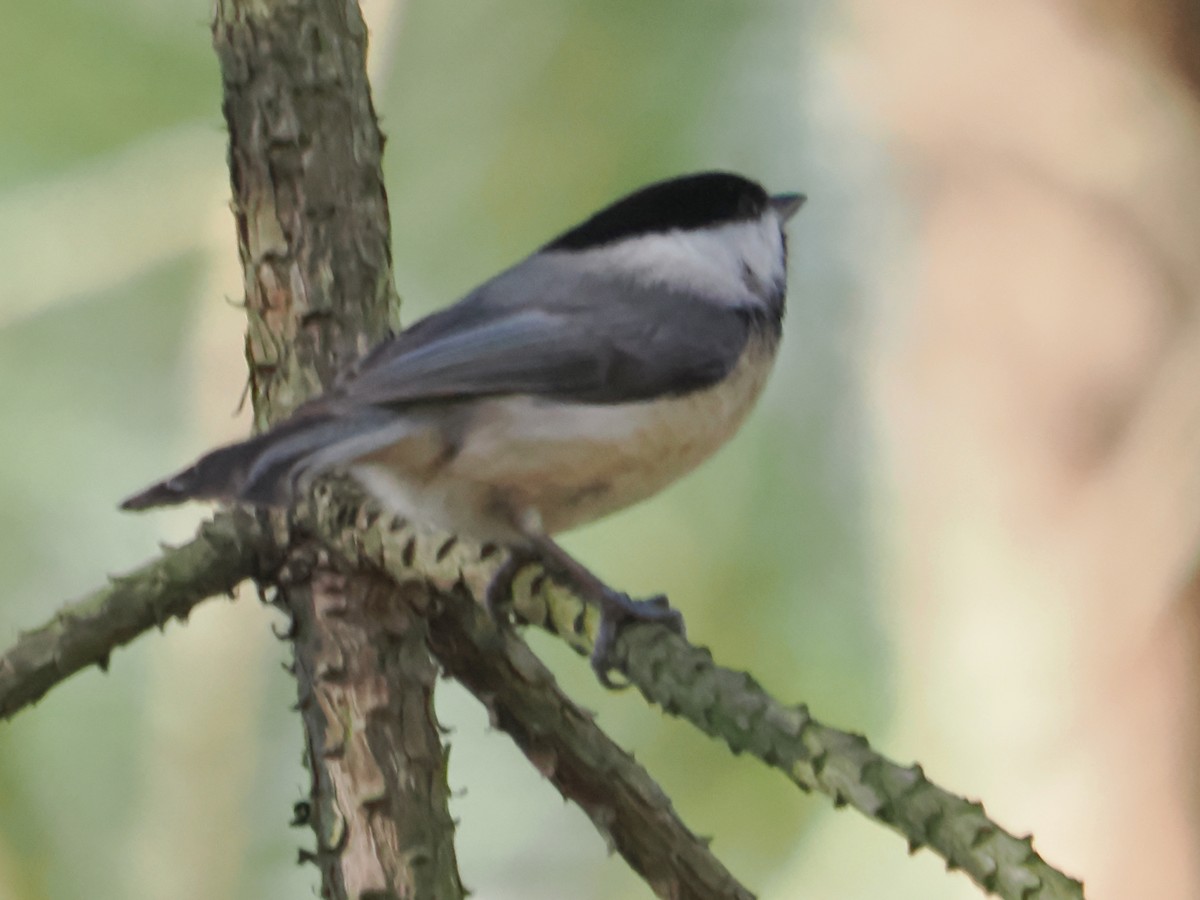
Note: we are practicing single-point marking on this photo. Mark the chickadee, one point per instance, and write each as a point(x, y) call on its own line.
point(582, 380)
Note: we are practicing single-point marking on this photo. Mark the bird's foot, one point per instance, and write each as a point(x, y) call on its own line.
point(616, 611)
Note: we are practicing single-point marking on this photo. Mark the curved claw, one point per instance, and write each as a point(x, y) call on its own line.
point(602, 664)
point(616, 610)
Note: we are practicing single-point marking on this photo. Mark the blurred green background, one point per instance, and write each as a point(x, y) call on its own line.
point(173, 775)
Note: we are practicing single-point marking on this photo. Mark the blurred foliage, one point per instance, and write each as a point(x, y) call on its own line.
point(506, 123)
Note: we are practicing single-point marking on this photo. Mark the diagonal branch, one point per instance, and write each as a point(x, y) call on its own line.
point(563, 742)
point(228, 550)
point(560, 739)
point(730, 706)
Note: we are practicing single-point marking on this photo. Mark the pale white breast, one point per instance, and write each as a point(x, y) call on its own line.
point(570, 463)
point(563, 464)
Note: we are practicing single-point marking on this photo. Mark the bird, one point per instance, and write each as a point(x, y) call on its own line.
point(581, 380)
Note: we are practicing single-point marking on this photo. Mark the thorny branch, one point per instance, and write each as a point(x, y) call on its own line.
point(685, 681)
point(313, 237)
point(228, 550)
point(570, 750)
point(681, 678)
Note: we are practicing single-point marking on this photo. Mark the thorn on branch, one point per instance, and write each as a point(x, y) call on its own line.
point(304, 697)
point(262, 588)
point(301, 814)
point(818, 763)
point(289, 633)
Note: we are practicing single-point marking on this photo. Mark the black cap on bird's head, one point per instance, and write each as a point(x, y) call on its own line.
point(702, 200)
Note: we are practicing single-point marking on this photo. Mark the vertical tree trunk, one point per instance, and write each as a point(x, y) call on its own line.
point(313, 234)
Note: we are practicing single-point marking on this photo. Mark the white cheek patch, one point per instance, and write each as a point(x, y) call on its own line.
point(726, 263)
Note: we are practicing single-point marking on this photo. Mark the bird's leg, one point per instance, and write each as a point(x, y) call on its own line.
point(616, 609)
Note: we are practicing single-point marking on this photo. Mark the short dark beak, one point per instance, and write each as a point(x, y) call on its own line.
point(787, 205)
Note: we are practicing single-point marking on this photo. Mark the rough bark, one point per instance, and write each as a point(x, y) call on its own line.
point(562, 741)
point(314, 239)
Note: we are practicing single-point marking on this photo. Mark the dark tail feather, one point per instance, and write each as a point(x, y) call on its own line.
point(217, 476)
point(266, 469)
point(165, 493)
point(256, 470)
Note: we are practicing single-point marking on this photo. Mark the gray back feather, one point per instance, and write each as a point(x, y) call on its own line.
point(547, 329)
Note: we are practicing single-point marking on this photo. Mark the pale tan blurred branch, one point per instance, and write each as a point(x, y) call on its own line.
point(1035, 400)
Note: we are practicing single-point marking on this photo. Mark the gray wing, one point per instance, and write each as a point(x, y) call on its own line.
point(538, 329)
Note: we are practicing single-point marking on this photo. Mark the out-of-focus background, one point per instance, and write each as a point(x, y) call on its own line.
point(964, 519)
